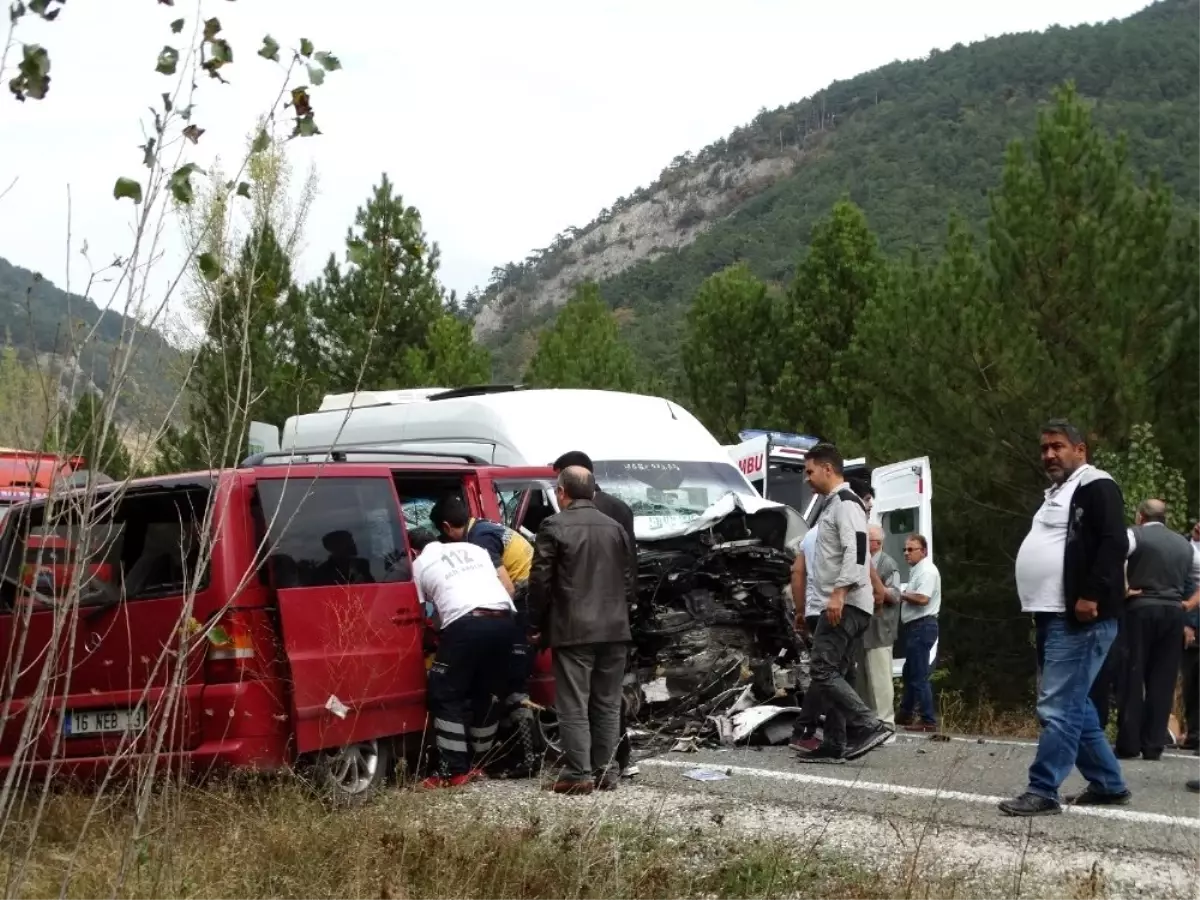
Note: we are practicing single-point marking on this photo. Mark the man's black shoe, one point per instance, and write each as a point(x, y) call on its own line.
point(1030, 805)
point(1191, 742)
point(1194, 786)
point(868, 741)
point(825, 753)
point(1092, 797)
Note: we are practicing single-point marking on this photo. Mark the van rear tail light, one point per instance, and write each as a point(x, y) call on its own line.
point(231, 656)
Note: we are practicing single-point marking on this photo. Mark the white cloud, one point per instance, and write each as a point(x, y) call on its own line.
point(503, 123)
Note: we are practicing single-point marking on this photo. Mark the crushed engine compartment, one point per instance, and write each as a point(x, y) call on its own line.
point(713, 628)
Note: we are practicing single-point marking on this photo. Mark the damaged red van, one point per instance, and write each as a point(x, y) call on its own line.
point(258, 618)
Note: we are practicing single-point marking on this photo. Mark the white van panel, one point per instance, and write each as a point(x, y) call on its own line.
point(903, 506)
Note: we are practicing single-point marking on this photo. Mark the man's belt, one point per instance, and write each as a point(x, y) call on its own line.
point(491, 613)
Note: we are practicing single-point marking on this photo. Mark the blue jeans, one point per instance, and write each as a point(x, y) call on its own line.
point(1071, 656)
point(920, 637)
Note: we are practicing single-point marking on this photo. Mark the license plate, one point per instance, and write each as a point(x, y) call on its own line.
point(103, 721)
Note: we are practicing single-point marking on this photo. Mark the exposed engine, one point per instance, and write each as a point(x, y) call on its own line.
point(713, 618)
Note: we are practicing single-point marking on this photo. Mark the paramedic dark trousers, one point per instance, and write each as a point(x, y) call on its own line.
point(469, 672)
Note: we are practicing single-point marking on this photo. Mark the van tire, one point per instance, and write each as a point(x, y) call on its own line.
point(346, 776)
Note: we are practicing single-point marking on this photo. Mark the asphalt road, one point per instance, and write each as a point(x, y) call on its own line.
point(953, 783)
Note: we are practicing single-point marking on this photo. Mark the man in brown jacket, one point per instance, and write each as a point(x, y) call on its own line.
point(580, 590)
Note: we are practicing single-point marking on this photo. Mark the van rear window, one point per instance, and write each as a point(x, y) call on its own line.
point(136, 546)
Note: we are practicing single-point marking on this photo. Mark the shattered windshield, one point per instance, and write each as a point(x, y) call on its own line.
point(663, 493)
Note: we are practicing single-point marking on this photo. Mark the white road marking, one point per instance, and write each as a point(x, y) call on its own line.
point(1100, 812)
point(1016, 743)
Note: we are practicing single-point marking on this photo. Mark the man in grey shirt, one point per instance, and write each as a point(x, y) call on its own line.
point(841, 571)
point(876, 686)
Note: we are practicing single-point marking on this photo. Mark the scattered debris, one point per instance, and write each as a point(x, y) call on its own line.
point(337, 707)
point(706, 775)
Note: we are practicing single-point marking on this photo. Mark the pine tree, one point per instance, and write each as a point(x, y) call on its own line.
point(89, 435)
point(726, 350)
point(450, 358)
point(384, 303)
point(237, 376)
point(1081, 303)
point(583, 348)
point(818, 388)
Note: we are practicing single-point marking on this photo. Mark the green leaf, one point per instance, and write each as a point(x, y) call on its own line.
point(218, 636)
point(221, 50)
point(167, 104)
point(211, 28)
point(306, 126)
point(243, 189)
point(261, 142)
point(177, 26)
point(42, 8)
point(328, 61)
point(148, 152)
point(33, 74)
point(127, 187)
point(270, 49)
point(306, 47)
point(168, 60)
point(316, 75)
point(181, 183)
point(193, 132)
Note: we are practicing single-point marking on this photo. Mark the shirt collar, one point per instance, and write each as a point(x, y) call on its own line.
point(1053, 490)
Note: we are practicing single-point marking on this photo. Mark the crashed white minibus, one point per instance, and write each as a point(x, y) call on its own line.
point(649, 451)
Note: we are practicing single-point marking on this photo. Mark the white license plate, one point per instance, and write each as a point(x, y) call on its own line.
point(103, 721)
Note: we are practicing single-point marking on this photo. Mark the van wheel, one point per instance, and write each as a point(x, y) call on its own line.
point(353, 773)
point(547, 732)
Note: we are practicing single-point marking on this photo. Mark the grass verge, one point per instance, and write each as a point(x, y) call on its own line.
point(274, 840)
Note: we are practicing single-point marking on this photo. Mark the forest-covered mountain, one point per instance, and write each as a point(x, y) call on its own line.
point(909, 143)
point(71, 336)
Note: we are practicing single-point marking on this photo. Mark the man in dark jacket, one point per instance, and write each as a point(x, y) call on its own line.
point(613, 507)
point(618, 510)
point(1159, 574)
point(1070, 574)
point(580, 589)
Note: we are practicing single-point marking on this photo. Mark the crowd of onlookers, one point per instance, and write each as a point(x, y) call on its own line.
point(1115, 611)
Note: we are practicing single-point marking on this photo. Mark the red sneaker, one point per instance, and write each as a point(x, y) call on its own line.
point(433, 782)
point(805, 745)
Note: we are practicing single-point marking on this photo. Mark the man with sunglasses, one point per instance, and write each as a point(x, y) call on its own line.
point(919, 608)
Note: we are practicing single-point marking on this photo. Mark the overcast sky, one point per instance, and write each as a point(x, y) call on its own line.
point(502, 122)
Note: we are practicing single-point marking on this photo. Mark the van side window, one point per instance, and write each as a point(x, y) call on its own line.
point(897, 525)
point(524, 503)
point(328, 532)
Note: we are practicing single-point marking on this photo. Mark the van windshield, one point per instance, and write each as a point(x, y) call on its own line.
point(663, 493)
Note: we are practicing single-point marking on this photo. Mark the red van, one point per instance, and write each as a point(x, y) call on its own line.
point(257, 618)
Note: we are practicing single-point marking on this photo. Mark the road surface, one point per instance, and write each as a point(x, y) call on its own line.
point(917, 805)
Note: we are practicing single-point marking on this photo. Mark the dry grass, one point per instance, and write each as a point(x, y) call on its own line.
point(275, 840)
point(982, 717)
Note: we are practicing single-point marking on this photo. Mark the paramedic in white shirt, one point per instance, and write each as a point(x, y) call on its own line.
point(919, 608)
point(476, 622)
